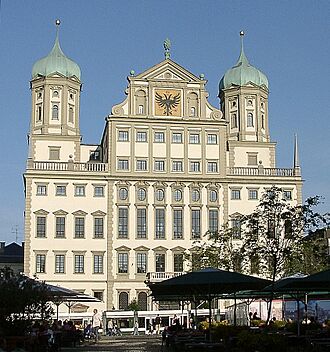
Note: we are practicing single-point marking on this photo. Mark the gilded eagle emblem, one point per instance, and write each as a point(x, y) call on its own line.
point(167, 102)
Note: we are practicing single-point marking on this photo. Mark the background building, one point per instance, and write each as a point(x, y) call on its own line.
point(169, 167)
point(12, 256)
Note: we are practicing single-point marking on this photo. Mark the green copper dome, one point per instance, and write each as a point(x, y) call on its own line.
point(56, 61)
point(243, 73)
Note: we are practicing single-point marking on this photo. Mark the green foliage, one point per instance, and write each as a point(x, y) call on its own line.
point(133, 305)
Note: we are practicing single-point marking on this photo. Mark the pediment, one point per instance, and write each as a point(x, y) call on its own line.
point(160, 249)
point(178, 249)
point(122, 249)
point(141, 249)
point(60, 212)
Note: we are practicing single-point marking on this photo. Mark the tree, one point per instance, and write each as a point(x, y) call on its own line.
point(22, 301)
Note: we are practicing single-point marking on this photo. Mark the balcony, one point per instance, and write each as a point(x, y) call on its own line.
point(157, 277)
point(262, 171)
point(66, 166)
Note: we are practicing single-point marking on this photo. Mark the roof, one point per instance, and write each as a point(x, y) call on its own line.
point(12, 253)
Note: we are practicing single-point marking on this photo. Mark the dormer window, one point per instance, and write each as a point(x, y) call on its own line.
point(55, 112)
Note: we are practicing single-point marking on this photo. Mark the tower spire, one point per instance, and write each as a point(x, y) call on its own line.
point(167, 47)
point(242, 57)
point(296, 164)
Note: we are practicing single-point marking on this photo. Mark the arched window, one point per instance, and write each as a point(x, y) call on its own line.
point(123, 300)
point(71, 114)
point(140, 102)
point(249, 102)
point(142, 301)
point(193, 104)
point(55, 94)
point(39, 113)
point(142, 194)
point(160, 195)
point(177, 195)
point(233, 121)
point(55, 112)
point(249, 121)
point(262, 121)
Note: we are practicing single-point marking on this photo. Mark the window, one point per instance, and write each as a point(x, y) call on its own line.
point(212, 139)
point(177, 195)
point(195, 166)
point(122, 164)
point(141, 165)
point(40, 263)
point(98, 295)
point(54, 153)
point(123, 136)
point(159, 137)
point(140, 110)
point(233, 104)
point(141, 263)
point(71, 114)
point(176, 137)
point(287, 195)
point(159, 165)
point(263, 121)
point(41, 190)
point(177, 166)
point(41, 226)
point(122, 222)
point(79, 263)
point(55, 112)
point(177, 223)
point(141, 194)
point(249, 102)
point(235, 194)
point(160, 262)
point(233, 119)
point(160, 195)
point(213, 195)
point(59, 263)
point(98, 227)
point(195, 195)
point(98, 191)
point(79, 227)
point(195, 223)
point(60, 227)
point(193, 111)
point(98, 264)
point(160, 223)
point(141, 136)
point(178, 262)
point(55, 94)
point(123, 301)
point(252, 159)
point(212, 166)
point(123, 193)
point(142, 301)
point(236, 228)
point(253, 194)
point(249, 120)
point(194, 138)
point(61, 190)
point(39, 112)
point(254, 264)
point(122, 263)
point(79, 191)
point(213, 220)
point(141, 222)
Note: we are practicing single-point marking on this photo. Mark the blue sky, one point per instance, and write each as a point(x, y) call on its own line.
point(287, 40)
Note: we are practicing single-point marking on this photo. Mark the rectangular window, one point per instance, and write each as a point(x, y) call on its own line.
point(54, 153)
point(235, 194)
point(123, 136)
point(212, 139)
point(41, 226)
point(159, 137)
point(176, 137)
point(60, 226)
point(61, 190)
point(98, 228)
point(195, 223)
point(122, 222)
point(79, 191)
point(79, 227)
point(141, 263)
point(160, 223)
point(213, 220)
point(177, 166)
point(253, 194)
point(98, 264)
point(122, 164)
point(178, 262)
point(159, 165)
point(177, 223)
point(59, 263)
point(160, 262)
point(41, 190)
point(98, 295)
point(195, 166)
point(140, 110)
point(40, 263)
point(236, 228)
point(98, 191)
point(79, 263)
point(252, 159)
point(123, 263)
point(141, 136)
point(287, 195)
point(212, 166)
point(194, 138)
point(141, 222)
point(141, 165)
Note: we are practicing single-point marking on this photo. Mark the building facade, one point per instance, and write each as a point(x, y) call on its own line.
point(170, 167)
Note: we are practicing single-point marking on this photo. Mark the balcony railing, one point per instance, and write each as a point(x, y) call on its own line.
point(66, 166)
point(157, 277)
point(262, 171)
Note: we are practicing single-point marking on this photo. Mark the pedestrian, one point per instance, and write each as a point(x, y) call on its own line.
point(157, 324)
point(110, 327)
point(136, 328)
point(96, 324)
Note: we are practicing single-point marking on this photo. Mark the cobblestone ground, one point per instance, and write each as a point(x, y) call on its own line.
point(128, 343)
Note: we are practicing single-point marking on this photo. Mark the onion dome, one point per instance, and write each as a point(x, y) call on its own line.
point(56, 61)
point(243, 73)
